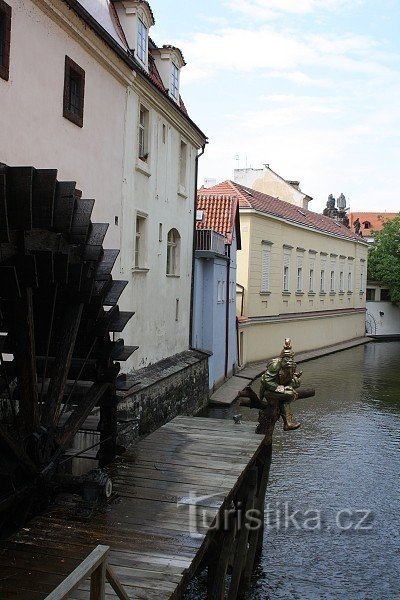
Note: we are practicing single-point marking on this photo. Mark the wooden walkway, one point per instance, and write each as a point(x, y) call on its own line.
point(157, 542)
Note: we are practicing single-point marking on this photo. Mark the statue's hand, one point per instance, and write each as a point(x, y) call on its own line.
point(290, 391)
point(299, 374)
point(280, 389)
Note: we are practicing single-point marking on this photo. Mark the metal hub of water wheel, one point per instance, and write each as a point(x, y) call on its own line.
point(58, 306)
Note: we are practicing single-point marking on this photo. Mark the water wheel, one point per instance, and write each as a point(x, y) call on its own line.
point(58, 307)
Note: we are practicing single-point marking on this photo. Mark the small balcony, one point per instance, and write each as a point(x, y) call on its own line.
point(208, 240)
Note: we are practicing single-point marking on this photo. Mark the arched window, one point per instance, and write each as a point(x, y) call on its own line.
point(367, 225)
point(173, 252)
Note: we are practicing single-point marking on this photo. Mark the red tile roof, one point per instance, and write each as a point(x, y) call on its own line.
point(264, 203)
point(219, 213)
point(375, 220)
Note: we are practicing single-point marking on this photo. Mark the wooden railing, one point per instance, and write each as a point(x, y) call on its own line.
point(94, 566)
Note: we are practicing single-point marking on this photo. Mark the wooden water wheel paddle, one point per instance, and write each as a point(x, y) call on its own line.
point(58, 306)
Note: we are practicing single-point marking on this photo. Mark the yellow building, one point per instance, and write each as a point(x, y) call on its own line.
point(300, 274)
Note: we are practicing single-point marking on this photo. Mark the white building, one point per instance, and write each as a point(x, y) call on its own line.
point(83, 89)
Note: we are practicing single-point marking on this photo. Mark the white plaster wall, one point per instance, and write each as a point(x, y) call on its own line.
point(152, 189)
point(33, 130)
point(265, 340)
point(101, 158)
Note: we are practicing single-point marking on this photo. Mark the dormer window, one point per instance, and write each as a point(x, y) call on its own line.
point(169, 62)
point(136, 18)
point(142, 41)
point(174, 81)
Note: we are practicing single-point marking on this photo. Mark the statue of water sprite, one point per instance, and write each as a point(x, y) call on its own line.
point(278, 389)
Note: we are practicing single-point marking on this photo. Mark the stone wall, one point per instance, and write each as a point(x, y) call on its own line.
point(156, 394)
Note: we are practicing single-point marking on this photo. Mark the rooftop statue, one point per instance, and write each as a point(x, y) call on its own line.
point(280, 386)
point(330, 210)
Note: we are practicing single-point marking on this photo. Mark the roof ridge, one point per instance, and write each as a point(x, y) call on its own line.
point(250, 198)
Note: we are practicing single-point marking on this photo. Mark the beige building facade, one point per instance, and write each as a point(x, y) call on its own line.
point(300, 275)
point(87, 92)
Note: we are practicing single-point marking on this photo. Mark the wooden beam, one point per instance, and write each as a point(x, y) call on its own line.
point(115, 584)
point(26, 361)
point(66, 343)
point(81, 413)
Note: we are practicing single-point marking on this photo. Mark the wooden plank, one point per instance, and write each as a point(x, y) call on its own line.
point(19, 197)
point(114, 293)
point(106, 264)
point(64, 203)
point(81, 220)
point(154, 553)
point(43, 197)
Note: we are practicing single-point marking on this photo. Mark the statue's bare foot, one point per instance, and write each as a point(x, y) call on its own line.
point(291, 426)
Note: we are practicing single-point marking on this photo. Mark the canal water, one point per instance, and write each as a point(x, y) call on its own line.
point(333, 502)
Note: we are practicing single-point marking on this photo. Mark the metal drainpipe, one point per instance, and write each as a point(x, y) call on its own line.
point(228, 276)
point(237, 325)
point(196, 172)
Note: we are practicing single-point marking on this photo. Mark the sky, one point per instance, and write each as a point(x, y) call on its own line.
point(310, 87)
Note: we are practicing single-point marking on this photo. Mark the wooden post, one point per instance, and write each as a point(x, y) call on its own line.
point(256, 536)
point(243, 536)
point(217, 568)
point(98, 583)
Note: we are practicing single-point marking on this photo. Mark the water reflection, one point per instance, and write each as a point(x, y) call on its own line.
point(345, 457)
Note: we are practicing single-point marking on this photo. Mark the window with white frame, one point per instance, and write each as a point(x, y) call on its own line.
point(322, 276)
point(143, 149)
point(142, 37)
point(173, 252)
point(350, 276)
point(140, 242)
point(333, 275)
point(287, 253)
point(182, 164)
point(341, 275)
point(299, 278)
point(265, 267)
point(311, 275)
point(174, 81)
point(332, 281)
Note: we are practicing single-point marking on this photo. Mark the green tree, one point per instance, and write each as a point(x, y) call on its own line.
point(384, 258)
